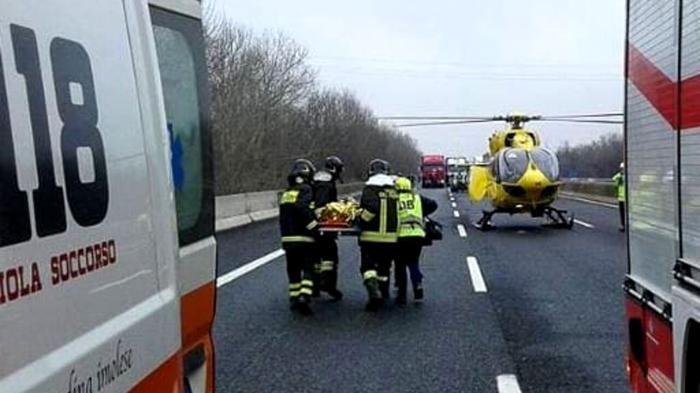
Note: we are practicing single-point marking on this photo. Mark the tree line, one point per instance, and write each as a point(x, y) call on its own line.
point(268, 108)
point(598, 159)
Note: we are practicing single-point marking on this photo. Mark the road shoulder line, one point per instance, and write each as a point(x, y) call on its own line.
point(247, 268)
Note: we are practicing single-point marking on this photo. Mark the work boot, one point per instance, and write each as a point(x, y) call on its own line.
point(374, 304)
point(401, 297)
point(375, 297)
point(304, 305)
point(384, 289)
point(318, 282)
point(335, 294)
point(418, 293)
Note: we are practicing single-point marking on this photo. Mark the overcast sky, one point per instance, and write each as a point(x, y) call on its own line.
point(461, 57)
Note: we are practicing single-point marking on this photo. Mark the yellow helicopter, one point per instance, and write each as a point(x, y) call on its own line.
point(520, 176)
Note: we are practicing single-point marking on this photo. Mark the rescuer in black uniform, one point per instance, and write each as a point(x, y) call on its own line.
point(378, 232)
point(298, 227)
point(325, 192)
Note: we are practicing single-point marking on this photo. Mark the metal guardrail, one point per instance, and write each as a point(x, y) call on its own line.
point(237, 210)
point(590, 186)
point(587, 180)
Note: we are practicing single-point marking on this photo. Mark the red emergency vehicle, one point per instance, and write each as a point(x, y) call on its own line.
point(662, 135)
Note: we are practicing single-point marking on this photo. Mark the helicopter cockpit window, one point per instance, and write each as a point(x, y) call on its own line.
point(547, 162)
point(533, 137)
point(512, 165)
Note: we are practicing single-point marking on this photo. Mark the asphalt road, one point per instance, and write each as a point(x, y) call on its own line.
point(551, 314)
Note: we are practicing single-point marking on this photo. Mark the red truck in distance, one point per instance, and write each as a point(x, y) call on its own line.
point(433, 171)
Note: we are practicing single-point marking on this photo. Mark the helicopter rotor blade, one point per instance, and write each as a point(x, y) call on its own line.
point(426, 121)
point(505, 118)
point(442, 123)
point(434, 118)
point(590, 121)
point(584, 116)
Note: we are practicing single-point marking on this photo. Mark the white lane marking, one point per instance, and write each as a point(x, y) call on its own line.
point(584, 224)
point(508, 383)
point(475, 272)
point(589, 201)
point(454, 204)
point(462, 231)
point(247, 268)
point(455, 213)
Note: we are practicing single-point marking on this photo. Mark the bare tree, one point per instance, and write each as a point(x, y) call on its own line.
point(598, 159)
point(267, 110)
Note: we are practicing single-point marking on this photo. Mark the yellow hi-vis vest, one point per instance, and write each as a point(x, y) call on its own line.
point(410, 215)
point(619, 180)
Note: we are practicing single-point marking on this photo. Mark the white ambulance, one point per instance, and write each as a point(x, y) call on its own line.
point(107, 250)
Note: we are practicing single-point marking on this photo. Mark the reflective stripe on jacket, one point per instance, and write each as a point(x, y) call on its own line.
point(410, 215)
point(297, 218)
point(379, 220)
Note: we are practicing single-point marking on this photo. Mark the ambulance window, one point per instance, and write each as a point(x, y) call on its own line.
point(183, 76)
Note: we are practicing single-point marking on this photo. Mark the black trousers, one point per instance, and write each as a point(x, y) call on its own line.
point(375, 263)
point(408, 257)
point(621, 205)
point(301, 258)
point(327, 247)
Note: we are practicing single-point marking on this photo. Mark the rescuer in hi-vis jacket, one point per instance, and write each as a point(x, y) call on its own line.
point(378, 232)
point(619, 180)
point(299, 228)
point(325, 192)
point(413, 208)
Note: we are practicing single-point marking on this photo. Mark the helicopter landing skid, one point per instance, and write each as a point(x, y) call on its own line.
point(484, 223)
point(558, 218)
